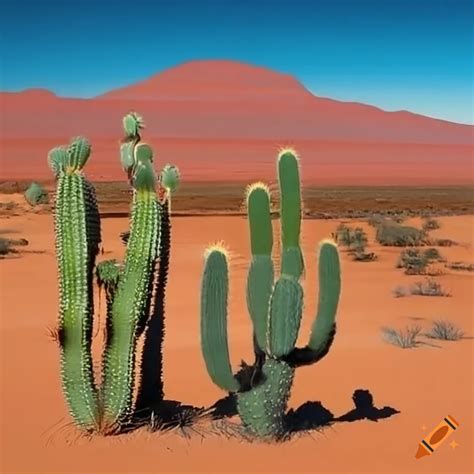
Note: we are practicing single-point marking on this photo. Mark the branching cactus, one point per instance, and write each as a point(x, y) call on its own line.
point(275, 307)
point(129, 287)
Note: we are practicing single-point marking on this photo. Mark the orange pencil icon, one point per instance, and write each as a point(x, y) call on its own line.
point(436, 437)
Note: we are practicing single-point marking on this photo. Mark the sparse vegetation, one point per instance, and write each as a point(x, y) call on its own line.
point(405, 338)
point(428, 287)
point(433, 255)
point(355, 240)
point(35, 194)
point(390, 233)
point(413, 261)
point(468, 267)
point(416, 261)
point(430, 224)
point(445, 331)
point(7, 245)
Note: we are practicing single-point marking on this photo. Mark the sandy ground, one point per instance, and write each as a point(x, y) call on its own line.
point(325, 162)
point(425, 384)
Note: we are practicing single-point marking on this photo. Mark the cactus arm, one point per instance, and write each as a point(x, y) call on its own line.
point(286, 307)
point(324, 326)
point(261, 273)
point(292, 262)
point(76, 249)
point(214, 293)
point(329, 292)
point(126, 318)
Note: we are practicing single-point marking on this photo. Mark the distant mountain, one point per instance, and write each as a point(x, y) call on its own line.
point(225, 106)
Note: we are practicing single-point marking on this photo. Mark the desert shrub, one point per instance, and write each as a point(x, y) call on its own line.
point(375, 220)
point(35, 194)
point(358, 239)
point(430, 224)
point(469, 267)
point(404, 338)
point(362, 256)
point(393, 234)
point(433, 255)
point(353, 239)
point(343, 235)
point(399, 292)
point(446, 331)
point(428, 287)
point(4, 246)
point(413, 261)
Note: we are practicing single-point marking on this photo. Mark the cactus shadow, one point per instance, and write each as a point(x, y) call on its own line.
point(313, 415)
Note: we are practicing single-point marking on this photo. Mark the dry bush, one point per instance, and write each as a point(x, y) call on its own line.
point(446, 331)
point(404, 338)
point(395, 235)
point(468, 267)
point(428, 287)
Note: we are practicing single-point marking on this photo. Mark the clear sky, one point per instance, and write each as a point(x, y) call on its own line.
point(397, 54)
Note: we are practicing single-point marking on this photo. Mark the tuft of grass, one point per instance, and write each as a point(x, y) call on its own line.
point(468, 267)
point(405, 338)
point(429, 287)
point(445, 331)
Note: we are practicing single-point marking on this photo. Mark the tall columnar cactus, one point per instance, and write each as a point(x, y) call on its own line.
point(275, 307)
point(76, 247)
point(129, 287)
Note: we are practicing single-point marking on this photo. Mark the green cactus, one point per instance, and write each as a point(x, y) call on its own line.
point(35, 194)
point(128, 287)
point(275, 307)
point(76, 248)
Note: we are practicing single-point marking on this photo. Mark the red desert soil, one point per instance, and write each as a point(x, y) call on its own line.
point(221, 120)
point(425, 384)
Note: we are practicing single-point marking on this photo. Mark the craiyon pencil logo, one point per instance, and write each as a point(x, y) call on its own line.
point(431, 442)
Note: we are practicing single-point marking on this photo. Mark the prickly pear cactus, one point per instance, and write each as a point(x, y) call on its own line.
point(275, 307)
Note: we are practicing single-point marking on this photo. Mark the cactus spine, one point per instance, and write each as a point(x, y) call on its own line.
point(275, 307)
point(128, 287)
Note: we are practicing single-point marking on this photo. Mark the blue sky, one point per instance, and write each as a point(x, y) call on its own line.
point(395, 54)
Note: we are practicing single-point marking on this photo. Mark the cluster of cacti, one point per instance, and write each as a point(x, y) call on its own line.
point(35, 194)
point(129, 287)
point(275, 307)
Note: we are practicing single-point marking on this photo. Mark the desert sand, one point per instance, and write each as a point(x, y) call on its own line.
point(424, 384)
